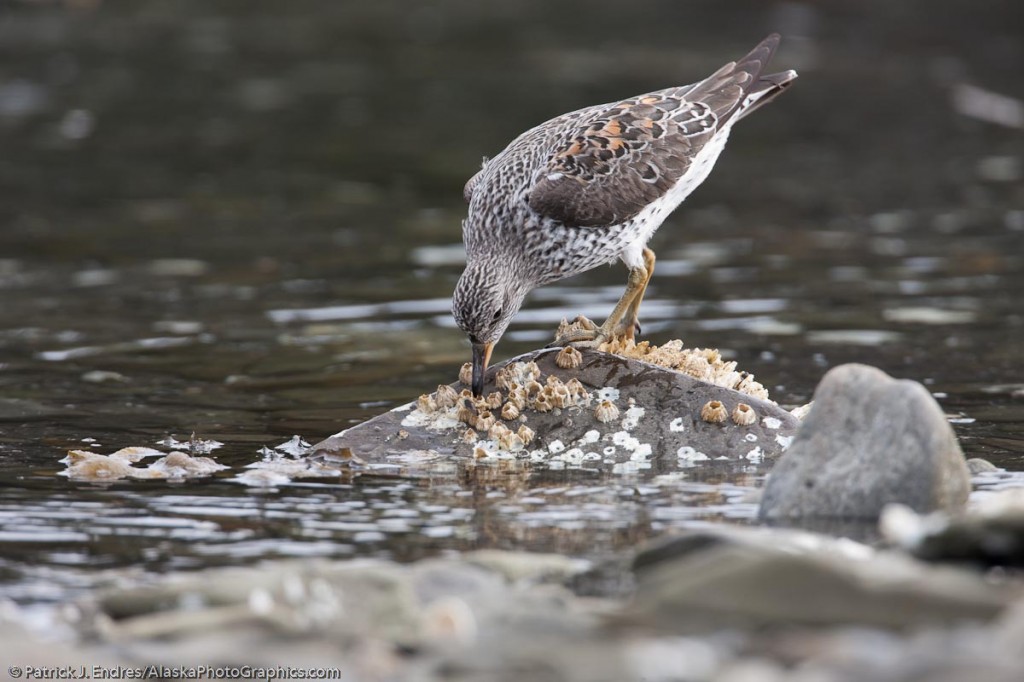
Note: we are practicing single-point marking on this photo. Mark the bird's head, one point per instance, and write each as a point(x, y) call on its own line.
point(487, 297)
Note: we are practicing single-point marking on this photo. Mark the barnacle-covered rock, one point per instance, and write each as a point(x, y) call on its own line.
point(637, 415)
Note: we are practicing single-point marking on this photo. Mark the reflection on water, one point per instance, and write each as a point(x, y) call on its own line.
point(245, 225)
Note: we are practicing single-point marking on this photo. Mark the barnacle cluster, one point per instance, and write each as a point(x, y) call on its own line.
point(705, 364)
point(496, 419)
point(715, 412)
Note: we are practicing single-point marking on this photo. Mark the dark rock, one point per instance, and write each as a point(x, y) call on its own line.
point(991, 534)
point(659, 413)
point(868, 441)
point(749, 579)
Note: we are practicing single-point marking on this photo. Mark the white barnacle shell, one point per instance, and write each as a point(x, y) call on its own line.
point(469, 436)
point(606, 411)
point(744, 415)
point(494, 400)
point(714, 412)
point(466, 374)
point(445, 397)
point(543, 403)
point(569, 358)
point(532, 370)
point(533, 387)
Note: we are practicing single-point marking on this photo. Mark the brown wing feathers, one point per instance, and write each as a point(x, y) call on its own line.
point(622, 157)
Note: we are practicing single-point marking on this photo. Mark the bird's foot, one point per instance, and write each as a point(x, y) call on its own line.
point(581, 333)
point(584, 333)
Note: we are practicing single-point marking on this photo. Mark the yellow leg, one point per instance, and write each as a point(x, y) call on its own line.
point(630, 323)
point(623, 320)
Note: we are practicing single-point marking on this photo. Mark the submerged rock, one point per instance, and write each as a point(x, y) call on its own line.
point(869, 440)
point(749, 579)
point(600, 410)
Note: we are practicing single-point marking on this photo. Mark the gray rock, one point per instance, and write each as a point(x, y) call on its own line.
point(748, 579)
point(869, 440)
point(666, 416)
point(977, 465)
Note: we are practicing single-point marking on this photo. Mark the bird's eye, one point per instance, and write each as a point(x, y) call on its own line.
point(497, 315)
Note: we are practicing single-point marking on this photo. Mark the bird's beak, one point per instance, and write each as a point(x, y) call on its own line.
point(481, 356)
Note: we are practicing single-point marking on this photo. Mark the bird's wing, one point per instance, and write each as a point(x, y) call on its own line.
point(621, 157)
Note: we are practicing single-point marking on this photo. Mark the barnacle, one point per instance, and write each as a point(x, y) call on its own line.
point(494, 400)
point(445, 396)
point(606, 411)
point(425, 403)
point(526, 433)
point(744, 415)
point(542, 403)
point(466, 414)
point(504, 378)
point(569, 358)
point(714, 412)
point(533, 387)
point(466, 374)
point(518, 399)
point(469, 436)
point(484, 421)
point(510, 410)
point(576, 388)
point(498, 430)
point(512, 442)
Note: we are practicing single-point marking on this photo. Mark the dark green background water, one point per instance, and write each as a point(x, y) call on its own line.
point(181, 170)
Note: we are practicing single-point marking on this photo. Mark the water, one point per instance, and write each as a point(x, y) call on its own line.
point(244, 224)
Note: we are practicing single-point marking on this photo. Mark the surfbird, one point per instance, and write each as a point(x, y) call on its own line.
point(590, 187)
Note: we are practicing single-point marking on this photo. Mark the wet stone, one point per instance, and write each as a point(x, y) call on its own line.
point(657, 412)
point(868, 441)
point(743, 578)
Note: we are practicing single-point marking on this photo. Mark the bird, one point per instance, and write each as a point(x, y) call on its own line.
point(591, 187)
